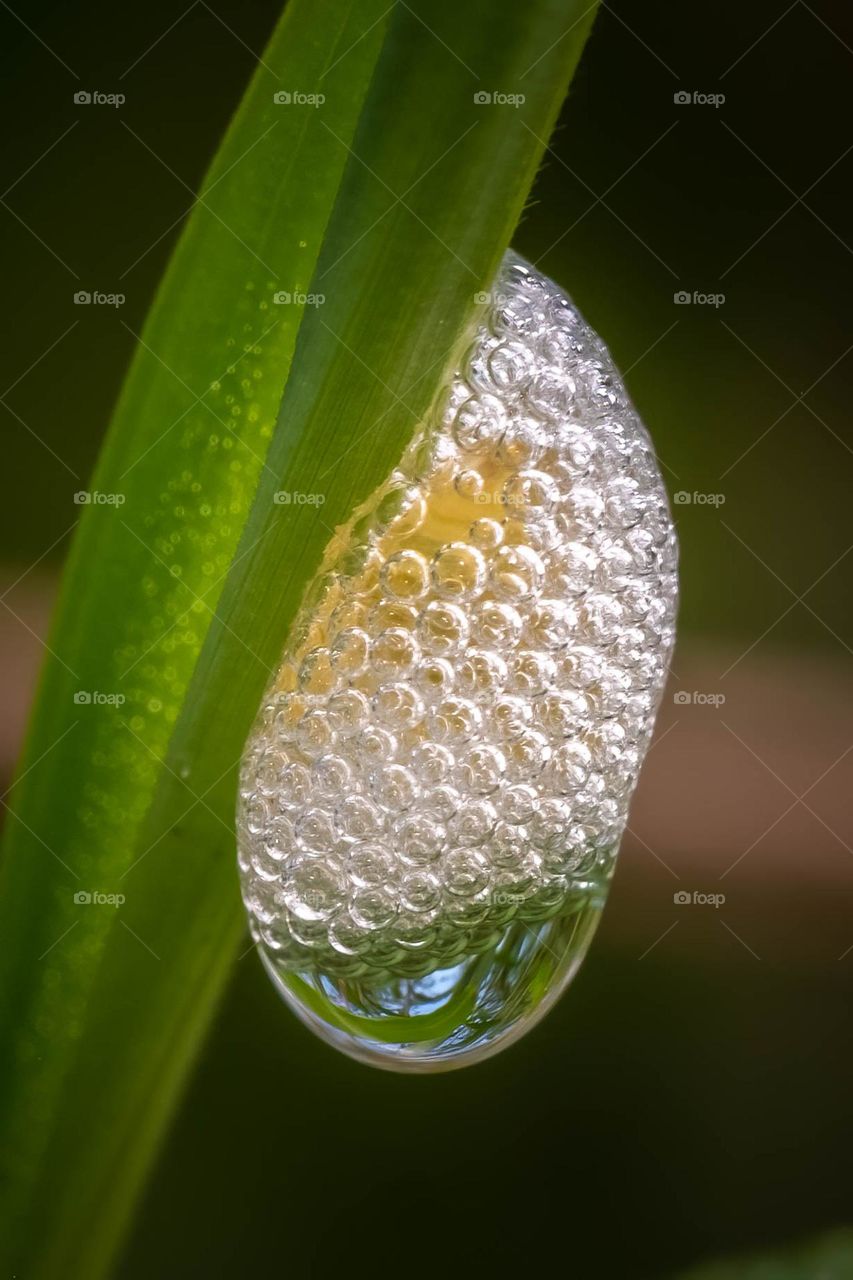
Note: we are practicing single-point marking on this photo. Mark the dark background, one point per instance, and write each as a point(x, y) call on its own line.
point(691, 1095)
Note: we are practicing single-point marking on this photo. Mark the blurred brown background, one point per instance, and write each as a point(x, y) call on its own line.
point(691, 1094)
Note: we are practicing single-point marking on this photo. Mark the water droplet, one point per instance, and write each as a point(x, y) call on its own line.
point(434, 791)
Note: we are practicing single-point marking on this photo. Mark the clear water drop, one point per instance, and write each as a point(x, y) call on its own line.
point(434, 791)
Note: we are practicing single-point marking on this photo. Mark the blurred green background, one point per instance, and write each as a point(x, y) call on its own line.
point(691, 1095)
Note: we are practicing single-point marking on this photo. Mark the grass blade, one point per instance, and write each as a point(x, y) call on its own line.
point(394, 200)
point(827, 1257)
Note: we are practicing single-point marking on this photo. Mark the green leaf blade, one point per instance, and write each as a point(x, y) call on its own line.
point(184, 454)
point(424, 187)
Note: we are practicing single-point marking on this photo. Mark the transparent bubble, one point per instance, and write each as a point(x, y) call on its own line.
point(455, 721)
point(458, 571)
point(433, 793)
point(432, 762)
point(347, 712)
point(398, 705)
point(480, 674)
point(369, 864)
point(419, 838)
point(480, 422)
point(350, 651)
point(406, 576)
point(468, 484)
point(517, 573)
point(393, 653)
point(395, 787)
point(486, 534)
point(497, 624)
point(435, 679)
point(442, 629)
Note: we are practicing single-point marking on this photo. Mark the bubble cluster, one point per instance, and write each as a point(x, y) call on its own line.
point(465, 700)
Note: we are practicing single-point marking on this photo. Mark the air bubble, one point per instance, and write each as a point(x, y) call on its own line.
point(458, 571)
point(406, 576)
point(434, 790)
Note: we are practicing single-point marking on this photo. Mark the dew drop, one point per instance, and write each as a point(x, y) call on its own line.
point(433, 794)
